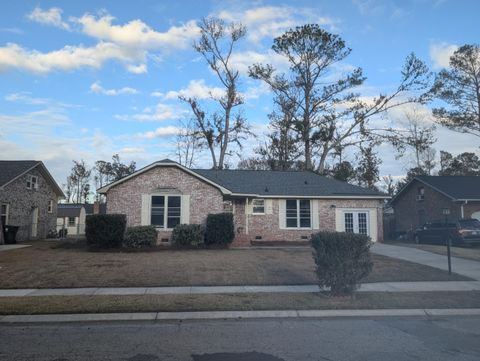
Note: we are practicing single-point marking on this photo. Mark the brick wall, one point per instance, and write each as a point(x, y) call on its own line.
point(22, 201)
point(126, 197)
point(267, 226)
point(408, 211)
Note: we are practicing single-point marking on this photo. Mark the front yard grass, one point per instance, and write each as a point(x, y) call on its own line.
point(53, 264)
point(237, 302)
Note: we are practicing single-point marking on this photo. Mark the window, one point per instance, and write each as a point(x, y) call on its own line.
point(166, 211)
point(71, 221)
point(228, 206)
point(298, 214)
point(50, 206)
point(356, 222)
point(258, 206)
point(420, 194)
point(32, 182)
point(4, 213)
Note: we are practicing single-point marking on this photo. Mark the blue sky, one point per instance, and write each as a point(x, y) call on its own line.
point(87, 79)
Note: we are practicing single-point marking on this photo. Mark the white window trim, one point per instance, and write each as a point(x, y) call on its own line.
point(165, 215)
point(74, 221)
point(50, 206)
point(253, 206)
point(356, 211)
point(31, 184)
point(7, 210)
point(298, 215)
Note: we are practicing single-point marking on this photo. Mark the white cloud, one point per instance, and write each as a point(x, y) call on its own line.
point(161, 113)
point(440, 54)
point(52, 16)
point(68, 58)
point(26, 98)
point(197, 89)
point(242, 60)
point(136, 33)
point(156, 94)
point(98, 89)
point(159, 132)
point(271, 21)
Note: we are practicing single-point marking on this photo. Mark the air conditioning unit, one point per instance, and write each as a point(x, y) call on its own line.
point(420, 197)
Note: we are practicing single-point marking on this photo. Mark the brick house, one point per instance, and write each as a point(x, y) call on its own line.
point(267, 205)
point(28, 198)
point(423, 199)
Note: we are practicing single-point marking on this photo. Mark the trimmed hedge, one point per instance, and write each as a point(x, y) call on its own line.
point(220, 229)
point(138, 236)
point(188, 235)
point(105, 230)
point(342, 260)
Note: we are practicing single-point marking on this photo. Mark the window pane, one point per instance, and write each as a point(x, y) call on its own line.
point(157, 220)
point(291, 222)
point(305, 222)
point(3, 209)
point(173, 201)
point(291, 204)
point(158, 201)
point(362, 223)
point(4, 219)
point(349, 222)
point(173, 221)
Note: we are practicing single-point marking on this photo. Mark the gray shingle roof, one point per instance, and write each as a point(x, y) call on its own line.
point(68, 210)
point(457, 187)
point(10, 169)
point(282, 183)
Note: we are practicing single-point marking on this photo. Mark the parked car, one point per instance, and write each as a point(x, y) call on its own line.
point(463, 232)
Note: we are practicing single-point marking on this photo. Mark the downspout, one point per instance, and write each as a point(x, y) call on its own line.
point(461, 209)
point(246, 216)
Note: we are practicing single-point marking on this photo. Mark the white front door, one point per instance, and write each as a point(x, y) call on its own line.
point(34, 222)
point(356, 222)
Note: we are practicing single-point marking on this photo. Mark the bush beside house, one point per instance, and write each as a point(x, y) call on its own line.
point(342, 260)
point(139, 236)
point(188, 235)
point(105, 230)
point(220, 229)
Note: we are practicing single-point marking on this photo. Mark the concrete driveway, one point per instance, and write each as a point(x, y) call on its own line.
point(461, 266)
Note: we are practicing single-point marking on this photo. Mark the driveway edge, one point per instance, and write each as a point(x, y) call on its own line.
point(217, 315)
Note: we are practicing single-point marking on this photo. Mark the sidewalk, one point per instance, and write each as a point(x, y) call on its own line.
point(366, 287)
point(461, 266)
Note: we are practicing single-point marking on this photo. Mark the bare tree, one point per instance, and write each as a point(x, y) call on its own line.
point(328, 113)
point(224, 126)
point(189, 143)
point(78, 179)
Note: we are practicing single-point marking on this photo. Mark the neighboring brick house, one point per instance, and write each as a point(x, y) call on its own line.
point(28, 198)
point(424, 198)
point(267, 205)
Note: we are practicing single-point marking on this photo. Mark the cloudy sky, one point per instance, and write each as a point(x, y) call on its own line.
point(87, 79)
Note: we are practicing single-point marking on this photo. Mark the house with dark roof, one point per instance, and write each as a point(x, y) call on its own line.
point(424, 198)
point(71, 217)
point(28, 198)
point(267, 205)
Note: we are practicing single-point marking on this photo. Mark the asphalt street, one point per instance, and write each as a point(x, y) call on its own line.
point(407, 338)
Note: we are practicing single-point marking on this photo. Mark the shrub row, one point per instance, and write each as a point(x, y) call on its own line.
point(109, 230)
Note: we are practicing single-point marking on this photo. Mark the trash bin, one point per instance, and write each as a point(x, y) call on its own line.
point(10, 234)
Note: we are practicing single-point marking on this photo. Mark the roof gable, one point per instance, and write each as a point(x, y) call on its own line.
point(456, 187)
point(11, 170)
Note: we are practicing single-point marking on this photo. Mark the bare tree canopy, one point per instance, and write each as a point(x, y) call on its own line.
point(459, 87)
point(223, 126)
point(326, 111)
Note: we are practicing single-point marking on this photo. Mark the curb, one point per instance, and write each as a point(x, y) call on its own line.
point(225, 315)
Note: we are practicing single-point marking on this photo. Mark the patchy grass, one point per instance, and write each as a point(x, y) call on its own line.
point(238, 302)
point(49, 264)
point(470, 252)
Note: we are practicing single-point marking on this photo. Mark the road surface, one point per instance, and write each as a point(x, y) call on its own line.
point(449, 338)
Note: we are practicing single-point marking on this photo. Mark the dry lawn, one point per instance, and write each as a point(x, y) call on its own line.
point(49, 264)
point(237, 302)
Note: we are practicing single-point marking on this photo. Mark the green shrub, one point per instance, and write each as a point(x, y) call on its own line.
point(136, 237)
point(105, 230)
point(220, 228)
point(342, 260)
point(188, 235)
